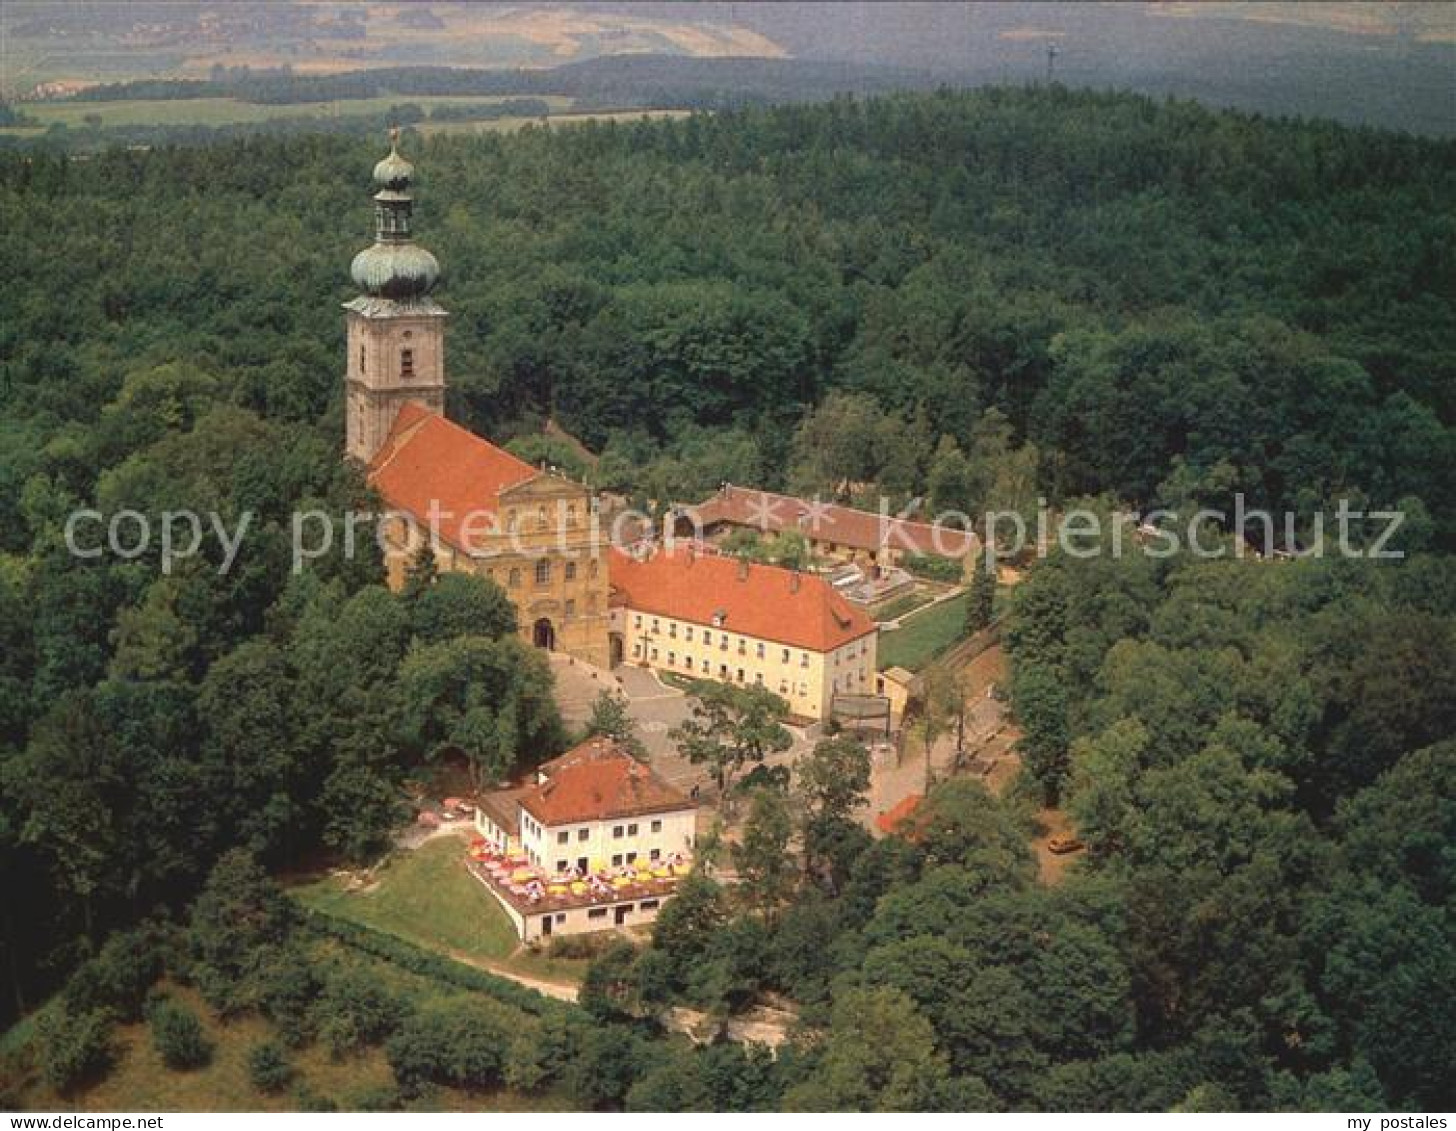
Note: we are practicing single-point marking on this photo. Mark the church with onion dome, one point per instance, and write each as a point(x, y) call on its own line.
point(534, 532)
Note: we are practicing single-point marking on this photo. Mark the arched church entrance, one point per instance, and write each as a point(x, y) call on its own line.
point(543, 635)
point(615, 647)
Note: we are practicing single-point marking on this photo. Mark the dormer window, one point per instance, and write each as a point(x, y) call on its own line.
point(406, 363)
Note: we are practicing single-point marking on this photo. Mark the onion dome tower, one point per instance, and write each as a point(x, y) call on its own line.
point(395, 330)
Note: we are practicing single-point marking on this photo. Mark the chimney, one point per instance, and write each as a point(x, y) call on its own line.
point(794, 580)
point(742, 569)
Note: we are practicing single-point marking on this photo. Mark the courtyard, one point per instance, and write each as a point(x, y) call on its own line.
point(657, 708)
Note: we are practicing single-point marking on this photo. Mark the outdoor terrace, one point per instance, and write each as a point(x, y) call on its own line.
point(531, 890)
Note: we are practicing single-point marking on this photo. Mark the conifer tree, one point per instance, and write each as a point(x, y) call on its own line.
point(982, 597)
point(422, 570)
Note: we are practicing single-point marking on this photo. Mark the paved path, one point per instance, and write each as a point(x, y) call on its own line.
point(989, 735)
point(561, 991)
point(642, 684)
point(657, 708)
point(577, 686)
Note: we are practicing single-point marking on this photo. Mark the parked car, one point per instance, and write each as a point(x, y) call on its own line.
point(1061, 845)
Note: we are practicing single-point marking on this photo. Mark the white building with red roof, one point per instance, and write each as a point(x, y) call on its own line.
point(704, 616)
point(596, 840)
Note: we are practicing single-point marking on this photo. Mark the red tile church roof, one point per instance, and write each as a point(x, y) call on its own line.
point(426, 458)
point(799, 609)
point(598, 781)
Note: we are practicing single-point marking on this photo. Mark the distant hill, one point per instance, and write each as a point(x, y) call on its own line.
point(1386, 65)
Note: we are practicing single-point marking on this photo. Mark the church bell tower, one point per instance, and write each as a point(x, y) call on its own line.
point(396, 331)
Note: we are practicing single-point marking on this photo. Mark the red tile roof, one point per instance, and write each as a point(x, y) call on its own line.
point(799, 609)
point(503, 807)
point(828, 522)
point(892, 819)
point(598, 781)
point(426, 459)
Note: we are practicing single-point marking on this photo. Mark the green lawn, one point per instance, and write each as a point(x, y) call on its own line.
point(426, 897)
point(897, 607)
point(924, 636)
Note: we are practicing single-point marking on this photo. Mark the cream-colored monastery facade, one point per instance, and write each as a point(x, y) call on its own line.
point(711, 617)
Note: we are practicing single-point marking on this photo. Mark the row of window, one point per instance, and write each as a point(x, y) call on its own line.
point(618, 859)
point(542, 572)
point(724, 639)
point(786, 688)
point(618, 831)
point(406, 361)
point(724, 674)
point(601, 912)
point(513, 518)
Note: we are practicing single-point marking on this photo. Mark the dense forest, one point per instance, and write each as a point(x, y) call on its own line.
point(976, 298)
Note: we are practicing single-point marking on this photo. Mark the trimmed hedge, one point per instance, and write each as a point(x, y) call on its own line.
point(427, 964)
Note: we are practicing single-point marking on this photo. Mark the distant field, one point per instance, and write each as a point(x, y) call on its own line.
point(107, 43)
point(924, 636)
point(505, 125)
point(231, 111)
